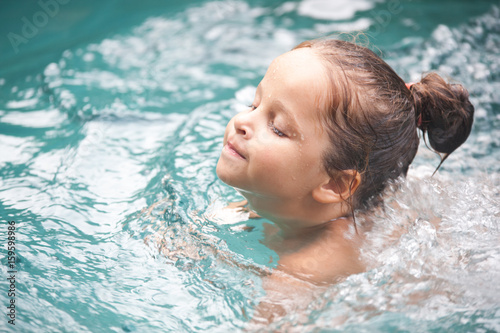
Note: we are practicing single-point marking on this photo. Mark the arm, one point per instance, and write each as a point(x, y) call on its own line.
point(284, 294)
point(242, 206)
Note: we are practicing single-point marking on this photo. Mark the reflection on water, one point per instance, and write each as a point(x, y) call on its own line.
point(113, 126)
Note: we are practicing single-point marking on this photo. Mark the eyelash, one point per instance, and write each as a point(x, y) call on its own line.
point(276, 131)
point(271, 125)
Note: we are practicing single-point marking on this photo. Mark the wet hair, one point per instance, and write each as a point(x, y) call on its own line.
point(372, 117)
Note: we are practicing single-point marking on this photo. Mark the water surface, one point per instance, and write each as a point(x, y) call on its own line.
point(113, 107)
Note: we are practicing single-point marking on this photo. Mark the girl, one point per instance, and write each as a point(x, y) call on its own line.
point(330, 126)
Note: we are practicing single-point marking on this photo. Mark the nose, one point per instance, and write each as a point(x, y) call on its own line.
point(243, 124)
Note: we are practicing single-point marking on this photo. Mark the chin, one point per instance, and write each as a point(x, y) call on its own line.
point(221, 171)
point(227, 175)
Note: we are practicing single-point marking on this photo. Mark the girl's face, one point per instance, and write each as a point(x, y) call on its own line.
point(275, 148)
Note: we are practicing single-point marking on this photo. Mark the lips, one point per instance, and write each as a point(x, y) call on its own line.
point(234, 150)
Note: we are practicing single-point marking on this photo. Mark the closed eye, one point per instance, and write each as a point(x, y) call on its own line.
point(276, 130)
point(252, 107)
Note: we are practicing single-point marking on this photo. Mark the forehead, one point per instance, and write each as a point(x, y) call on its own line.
point(302, 63)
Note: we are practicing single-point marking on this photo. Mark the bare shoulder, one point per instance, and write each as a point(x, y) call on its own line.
point(330, 258)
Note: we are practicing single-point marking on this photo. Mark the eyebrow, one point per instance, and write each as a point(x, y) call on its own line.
point(277, 105)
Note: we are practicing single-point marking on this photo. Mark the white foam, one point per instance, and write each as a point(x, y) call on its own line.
point(33, 119)
point(360, 24)
point(333, 10)
point(52, 69)
point(26, 103)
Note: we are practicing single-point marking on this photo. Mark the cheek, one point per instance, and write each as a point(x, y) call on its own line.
point(288, 167)
point(270, 161)
point(275, 168)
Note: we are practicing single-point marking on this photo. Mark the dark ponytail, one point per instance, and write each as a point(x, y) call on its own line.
point(444, 113)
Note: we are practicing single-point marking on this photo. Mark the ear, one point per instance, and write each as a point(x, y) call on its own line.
point(338, 188)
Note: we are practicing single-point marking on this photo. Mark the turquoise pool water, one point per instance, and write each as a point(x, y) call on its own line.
point(107, 108)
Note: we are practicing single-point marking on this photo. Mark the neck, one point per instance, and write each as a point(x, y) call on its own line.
point(297, 217)
point(288, 233)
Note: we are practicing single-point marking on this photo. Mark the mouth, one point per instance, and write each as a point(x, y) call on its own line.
point(232, 150)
